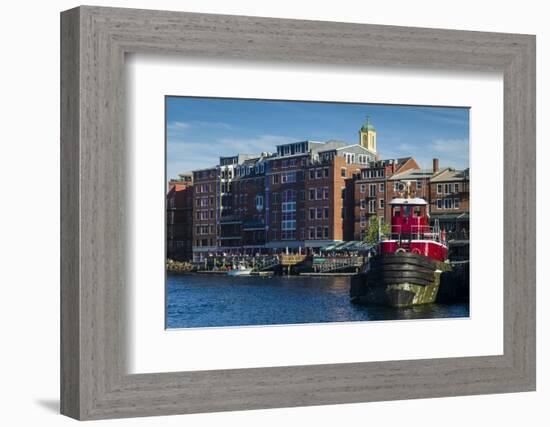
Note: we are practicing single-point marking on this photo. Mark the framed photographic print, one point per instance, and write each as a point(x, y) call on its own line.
point(261, 213)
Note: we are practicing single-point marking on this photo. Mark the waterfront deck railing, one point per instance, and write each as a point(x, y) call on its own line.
point(327, 265)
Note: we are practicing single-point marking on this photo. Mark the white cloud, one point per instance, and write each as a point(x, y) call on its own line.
point(175, 126)
point(179, 126)
point(256, 144)
point(184, 155)
point(407, 147)
point(457, 147)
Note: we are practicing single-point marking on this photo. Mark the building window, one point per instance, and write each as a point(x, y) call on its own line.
point(456, 187)
point(275, 197)
point(312, 232)
point(381, 187)
point(448, 203)
point(326, 232)
point(288, 177)
point(275, 178)
point(288, 207)
point(363, 220)
point(325, 210)
point(343, 172)
point(319, 193)
point(318, 173)
point(326, 172)
point(319, 232)
point(438, 203)
point(289, 225)
point(457, 203)
point(312, 174)
point(363, 204)
point(289, 196)
point(380, 203)
point(372, 190)
point(439, 188)
point(302, 195)
point(259, 202)
point(311, 213)
point(372, 206)
point(362, 188)
point(418, 184)
point(325, 193)
point(319, 213)
point(312, 194)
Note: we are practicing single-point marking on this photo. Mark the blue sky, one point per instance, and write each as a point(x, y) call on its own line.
point(199, 130)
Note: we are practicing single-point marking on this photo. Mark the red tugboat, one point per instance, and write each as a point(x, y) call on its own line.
point(409, 261)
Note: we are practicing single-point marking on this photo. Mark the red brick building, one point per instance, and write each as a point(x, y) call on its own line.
point(373, 189)
point(446, 190)
point(242, 220)
point(303, 197)
point(179, 218)
point(450, 201)
point(206, 207)
point(307, 199)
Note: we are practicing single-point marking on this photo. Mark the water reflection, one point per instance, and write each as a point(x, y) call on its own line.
point(207, 301)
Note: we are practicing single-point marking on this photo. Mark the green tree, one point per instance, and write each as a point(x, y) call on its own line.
point(371, 236)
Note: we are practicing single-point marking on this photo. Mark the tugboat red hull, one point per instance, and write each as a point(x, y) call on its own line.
point(428, 248)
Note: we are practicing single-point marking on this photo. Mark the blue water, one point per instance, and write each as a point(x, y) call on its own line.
point(196, 300)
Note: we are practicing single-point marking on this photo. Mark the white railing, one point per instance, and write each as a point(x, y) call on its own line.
point(418, 232)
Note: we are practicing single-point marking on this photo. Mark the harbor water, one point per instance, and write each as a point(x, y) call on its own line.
point(197, 300)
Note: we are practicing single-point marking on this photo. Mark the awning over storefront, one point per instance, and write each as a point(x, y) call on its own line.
point(464, 216)
point(352, 246)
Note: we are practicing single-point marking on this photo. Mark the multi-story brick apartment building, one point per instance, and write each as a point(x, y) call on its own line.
point(242, 218)
point(179, 217)
point(311, 194)
point(292, 200)
point(206, 207)
point(450, 200)
point(446, 190)
point(307, 196)
point(373, 189)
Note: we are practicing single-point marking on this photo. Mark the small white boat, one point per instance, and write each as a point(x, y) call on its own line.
point(240, 270)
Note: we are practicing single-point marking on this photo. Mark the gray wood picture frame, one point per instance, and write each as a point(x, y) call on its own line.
point(94, 381)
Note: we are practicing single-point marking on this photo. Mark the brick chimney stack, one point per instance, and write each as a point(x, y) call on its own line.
point(436, 165)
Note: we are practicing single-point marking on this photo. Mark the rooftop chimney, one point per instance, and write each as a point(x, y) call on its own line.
point(436, 165)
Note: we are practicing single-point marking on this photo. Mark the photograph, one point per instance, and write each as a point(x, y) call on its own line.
point(285, 212)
